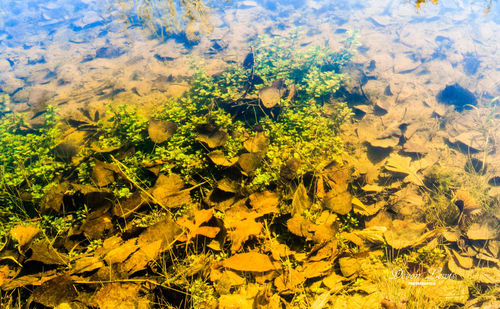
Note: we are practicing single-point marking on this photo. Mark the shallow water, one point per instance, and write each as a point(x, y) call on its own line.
point(71, 52)
point(423, 84)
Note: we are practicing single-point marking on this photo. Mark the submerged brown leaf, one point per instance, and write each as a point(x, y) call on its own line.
point(104, 173)
point(23, 234)
point(241, 225)
point(120, 295)
point(161, 130)
point(218, 158)
point(270, 96)
point(194, 227)
point(258, 143)
point(250, 261)
point(248, 162)
point(404, 234)
point(55, 292)
point(300, 200)
point(170, 192)
point(213, 139)
point(402, 165)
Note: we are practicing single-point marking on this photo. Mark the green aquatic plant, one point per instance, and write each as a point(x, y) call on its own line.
point(27, 160)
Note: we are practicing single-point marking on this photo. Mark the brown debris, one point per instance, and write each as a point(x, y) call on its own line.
point(170, 192)
point(55, 292)
point(161, 130)
point(250, 261)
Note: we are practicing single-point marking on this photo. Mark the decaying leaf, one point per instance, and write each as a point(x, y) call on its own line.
point(212, 138)
point(218, 158)
point(258, 143)
point(270, 96)
point(228, 185)
point(53, 199)
point(170, 192)
point(127, 206)
point(289, 170)
point(290, 281)
point(300, 226)
point(488, 229)
point(195, 228)
point(87, 264)
point(120, 295)
point(44, 252)
point(402, 165)
point(161, 130)
point(404, 234)
point(23, 234)
point(264, 202)
point(55, 291)
point(139, 259)
point(250, 261)
point(300, 200)
point(464, 261)
point(241, 225)
point(122, 252)
point(373, 234)
point(489, 275)
point(166, 230)
point(365, 210)
point(104, 173)
point(248, 162)
point(349, 266)
point(339, 202)
point(317, 269)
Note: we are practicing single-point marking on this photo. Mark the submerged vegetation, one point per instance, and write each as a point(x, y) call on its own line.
point(245, 191)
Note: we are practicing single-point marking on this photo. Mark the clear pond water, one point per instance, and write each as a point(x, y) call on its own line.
point(73, 52)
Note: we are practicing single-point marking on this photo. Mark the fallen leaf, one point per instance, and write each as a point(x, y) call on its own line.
point(55, 291)
point(373, 234)
point(87, 264)
point(166, 230)
point(489, 275)
point(316, 269)
point(264, 203)
point(248, 162)
point(104, 173)
point(360, 208)
point(488, 229)
point(161, 130)
point(120, 295)
point(140, 258)
point(334, 282)
point(43, 251)
point(23, 234)
point(218, 158)
point(402, 165)
point(170, 192)
point(250, 261)
point(241, 225)
point(339, 202)
point(404, 234)
point(464, 261)
point(121, 253)
point(194, 228)
point(300, 201)
point(213, 139)
point(258, 143)
point(126, 207)
point(291, 280)
point(349, 266)
point(270, 96)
